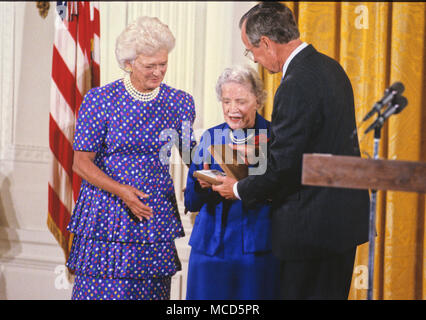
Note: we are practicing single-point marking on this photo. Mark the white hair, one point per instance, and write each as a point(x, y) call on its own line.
point(146, 36)
point(244, 75)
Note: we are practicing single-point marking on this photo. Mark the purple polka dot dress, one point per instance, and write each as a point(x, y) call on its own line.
point(113, 255)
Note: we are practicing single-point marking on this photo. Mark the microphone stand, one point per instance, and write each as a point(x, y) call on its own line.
point(399, 103)
point(372, 221)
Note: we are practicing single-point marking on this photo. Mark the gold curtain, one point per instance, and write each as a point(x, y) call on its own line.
point(378, 43)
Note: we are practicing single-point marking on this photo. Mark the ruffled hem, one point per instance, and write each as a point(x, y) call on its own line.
point(88, 288)
point(120, 260)
point(104, 216)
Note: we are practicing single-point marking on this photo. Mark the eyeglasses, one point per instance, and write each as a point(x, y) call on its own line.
point(248, 54)
point(151, 67)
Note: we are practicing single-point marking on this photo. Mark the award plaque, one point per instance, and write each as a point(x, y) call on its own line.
point(209, 175)
point(230, 161)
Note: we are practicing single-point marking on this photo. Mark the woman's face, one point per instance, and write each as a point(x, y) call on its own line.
point(148, 71)
point(239, 105)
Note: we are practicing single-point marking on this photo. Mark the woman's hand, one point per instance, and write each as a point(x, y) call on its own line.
point(130, 195)
point(83, 165)
point(205, 184)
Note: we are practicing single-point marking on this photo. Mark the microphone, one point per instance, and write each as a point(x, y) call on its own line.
point(396, 107)
point(395, 89)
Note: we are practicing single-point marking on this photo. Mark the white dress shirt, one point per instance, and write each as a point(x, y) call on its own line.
point(286, 64)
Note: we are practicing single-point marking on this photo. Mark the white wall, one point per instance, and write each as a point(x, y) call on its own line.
point(31, 263)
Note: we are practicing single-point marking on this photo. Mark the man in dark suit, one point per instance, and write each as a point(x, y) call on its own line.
point(315, 230)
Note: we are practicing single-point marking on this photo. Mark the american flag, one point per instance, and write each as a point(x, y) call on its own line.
point(75, 69)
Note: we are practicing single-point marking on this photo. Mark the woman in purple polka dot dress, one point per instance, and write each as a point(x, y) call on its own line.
point(126, 218)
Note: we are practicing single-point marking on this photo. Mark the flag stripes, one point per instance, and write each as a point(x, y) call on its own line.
point(75, 69)
point(65, 81)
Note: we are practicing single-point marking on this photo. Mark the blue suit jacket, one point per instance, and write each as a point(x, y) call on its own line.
point(207, 234)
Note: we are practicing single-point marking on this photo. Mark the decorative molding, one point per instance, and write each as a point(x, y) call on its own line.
point(43, 8)
point(8, 150)
point(22, 153)
point(29, 248)
point(32, 266)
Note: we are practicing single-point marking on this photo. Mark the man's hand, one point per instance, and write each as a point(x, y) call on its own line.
point(226, 188)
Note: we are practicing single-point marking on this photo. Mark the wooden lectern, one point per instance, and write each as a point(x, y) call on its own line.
point(358, 173)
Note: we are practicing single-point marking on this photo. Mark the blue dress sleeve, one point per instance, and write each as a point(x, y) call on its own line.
point(187, 114)
point(90, 129)
point(195, 196)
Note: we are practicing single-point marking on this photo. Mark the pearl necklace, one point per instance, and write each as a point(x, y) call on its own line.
point(240, 141)
point(137, 95)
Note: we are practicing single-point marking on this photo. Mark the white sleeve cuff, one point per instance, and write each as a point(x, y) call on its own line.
point(235, 189)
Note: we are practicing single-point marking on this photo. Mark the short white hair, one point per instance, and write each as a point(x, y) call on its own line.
point(244, 75)
point(146, 35)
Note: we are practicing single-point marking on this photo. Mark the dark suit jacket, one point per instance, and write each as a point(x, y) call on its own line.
point(313, 113)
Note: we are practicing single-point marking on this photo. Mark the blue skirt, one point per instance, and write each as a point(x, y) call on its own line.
point(251, 276)
point(231, 273)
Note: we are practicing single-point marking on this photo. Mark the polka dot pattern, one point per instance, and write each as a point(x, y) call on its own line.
point(88, 288)
point(102, 259)
point(126, 136)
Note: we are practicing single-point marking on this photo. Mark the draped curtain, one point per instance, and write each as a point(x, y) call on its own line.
point(378, 43)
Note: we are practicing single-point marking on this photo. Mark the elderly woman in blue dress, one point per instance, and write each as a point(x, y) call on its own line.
point(126, 220)
point(231, 254)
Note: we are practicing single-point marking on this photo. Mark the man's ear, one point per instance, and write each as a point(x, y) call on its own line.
point(266, 42)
